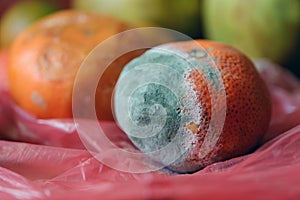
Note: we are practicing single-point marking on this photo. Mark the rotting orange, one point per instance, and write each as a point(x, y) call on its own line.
point(206, 98)
point(46, 57)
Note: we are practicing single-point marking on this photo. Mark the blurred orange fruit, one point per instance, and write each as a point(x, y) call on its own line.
point(46, 57)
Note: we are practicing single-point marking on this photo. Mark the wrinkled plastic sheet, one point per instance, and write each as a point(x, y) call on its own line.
point(41, 159)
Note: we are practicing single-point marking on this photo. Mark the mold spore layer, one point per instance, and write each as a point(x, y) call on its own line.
point(172, 103)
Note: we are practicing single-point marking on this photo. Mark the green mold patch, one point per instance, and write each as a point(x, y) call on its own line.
point(156, 103)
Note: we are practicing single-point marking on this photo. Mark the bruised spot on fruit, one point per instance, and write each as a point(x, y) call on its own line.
point(192, 127)
point(198, 53)
point(82, 18)
point(37, 99)
point(55, 60)
point(88, 32)
point(49, 61)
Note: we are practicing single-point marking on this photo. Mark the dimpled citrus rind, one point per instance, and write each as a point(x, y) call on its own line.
point(45, 58)
point(247, 105)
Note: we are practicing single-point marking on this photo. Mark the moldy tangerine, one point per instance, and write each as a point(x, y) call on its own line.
point(179, 91)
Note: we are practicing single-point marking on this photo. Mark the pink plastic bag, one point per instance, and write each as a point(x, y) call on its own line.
point(58, 166)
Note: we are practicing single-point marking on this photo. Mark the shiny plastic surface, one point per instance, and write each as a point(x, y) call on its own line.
point(45, 159)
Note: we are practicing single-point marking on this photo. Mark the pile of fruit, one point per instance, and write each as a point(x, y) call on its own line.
point(43, 47)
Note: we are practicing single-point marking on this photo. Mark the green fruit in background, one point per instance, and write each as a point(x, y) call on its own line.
point(21, 15)
point(259, 28)
point(180, 15)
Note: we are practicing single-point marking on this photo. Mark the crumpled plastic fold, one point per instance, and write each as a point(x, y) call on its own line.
point(45, 159)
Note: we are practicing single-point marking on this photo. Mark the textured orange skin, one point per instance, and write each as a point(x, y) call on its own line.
point(248, 103)
point(46, 57)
